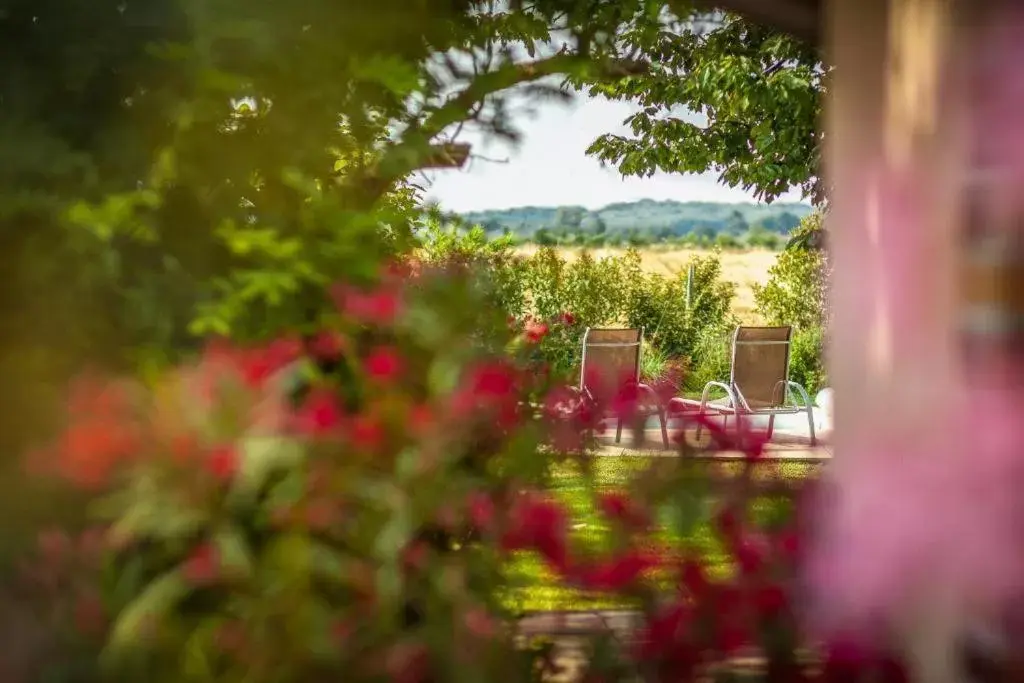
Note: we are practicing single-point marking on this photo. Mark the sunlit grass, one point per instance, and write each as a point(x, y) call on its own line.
point(535, 588)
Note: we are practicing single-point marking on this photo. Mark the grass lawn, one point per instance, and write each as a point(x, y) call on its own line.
point(537, 589)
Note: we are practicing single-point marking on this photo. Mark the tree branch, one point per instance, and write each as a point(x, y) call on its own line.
point(410, 153)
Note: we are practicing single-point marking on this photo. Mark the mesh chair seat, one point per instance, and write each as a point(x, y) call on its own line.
point(610, 357)
point(759, 381)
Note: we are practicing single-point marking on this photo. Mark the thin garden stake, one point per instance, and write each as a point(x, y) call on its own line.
point(689, 286)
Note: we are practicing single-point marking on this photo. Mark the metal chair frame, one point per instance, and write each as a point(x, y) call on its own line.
point(643, 388)
point(738, 404)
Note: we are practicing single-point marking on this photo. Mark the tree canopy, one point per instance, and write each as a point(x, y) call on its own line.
point(722, 95)
point(174, 168)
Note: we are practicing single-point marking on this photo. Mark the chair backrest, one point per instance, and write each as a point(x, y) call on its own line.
point(611, 355)
point(760, 364)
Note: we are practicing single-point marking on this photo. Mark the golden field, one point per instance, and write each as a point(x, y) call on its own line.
point(744, 268)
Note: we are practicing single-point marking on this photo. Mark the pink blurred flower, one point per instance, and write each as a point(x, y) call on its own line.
point(935, 512)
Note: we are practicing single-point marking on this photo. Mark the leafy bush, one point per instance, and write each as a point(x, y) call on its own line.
point(806, 360)
point(442, 247)
point(797, 294)
point(608, 291)
point(726, 241)
point(713, 347)
point(796, 291)
point(658, 304)
point(361, 522)
point(261, 529)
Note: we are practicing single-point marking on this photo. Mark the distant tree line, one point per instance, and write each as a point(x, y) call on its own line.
point(645, 222)
point(755, 237)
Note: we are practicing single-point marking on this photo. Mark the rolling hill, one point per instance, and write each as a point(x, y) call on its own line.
point(651, 217)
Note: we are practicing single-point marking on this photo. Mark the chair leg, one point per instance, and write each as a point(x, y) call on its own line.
point(664, 425)
point(810, 426)
point(618, 430)
point(771, 427)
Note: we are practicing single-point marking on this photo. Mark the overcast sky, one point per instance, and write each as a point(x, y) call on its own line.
point(549, 167)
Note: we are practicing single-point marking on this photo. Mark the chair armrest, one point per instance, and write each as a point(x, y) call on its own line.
point(718, 385)
point(802, 393)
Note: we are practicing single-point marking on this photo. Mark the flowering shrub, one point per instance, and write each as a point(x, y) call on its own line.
point(347, 503)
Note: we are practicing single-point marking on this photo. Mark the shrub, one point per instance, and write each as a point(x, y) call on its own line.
point(257, 529)
point(759, 237)
point(349, 505)
point(796, 291)
point(806, 360)
point(796, 294)
point(712, 347)
point(726, 241)
point(499, 264)
point(658, 305)
point(364, 527)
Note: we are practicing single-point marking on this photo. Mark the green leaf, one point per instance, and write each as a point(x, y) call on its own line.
point(156, 603)
point(233, 551)
point(261, 457)
point(444, 374)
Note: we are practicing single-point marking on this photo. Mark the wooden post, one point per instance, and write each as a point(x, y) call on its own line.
point(893, 154)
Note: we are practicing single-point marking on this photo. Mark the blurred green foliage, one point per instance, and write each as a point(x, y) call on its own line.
point(598, 292)
point(797, 294)
point(171, 168)
point(757, 92)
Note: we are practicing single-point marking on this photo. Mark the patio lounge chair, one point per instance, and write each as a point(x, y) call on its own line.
point(759, 383)
point(614, 355)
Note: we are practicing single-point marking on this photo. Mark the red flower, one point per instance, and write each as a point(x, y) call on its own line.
point(367, 433)
point(617, 573)
point(231, 637)
point(728, 526)
point(184, 447)
point(788, 545)
point(494, 380)
point(421, 419)
point(54, 545)
point(536, 330)
point(770, 600)
point(664, 640)
point(341, 631)
point(222, 462)
point(319, 414)
point(749, 556)
point(561, 402)
point(384, 364)
point(693, 579)
point(414, 556)
point(541, 525)
point(478, 622)
point(726, 599)
point(626, 400)
point(90, 614)
point(731, 636)
point(321, 514)
point(568, 318)
point(481, 510)
point(619, 507)
point(407, 663)
point(93, 448)
point(260, 364)
point(327, 345)
point(203, 566)
point(751, 442)
point(379, 307)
